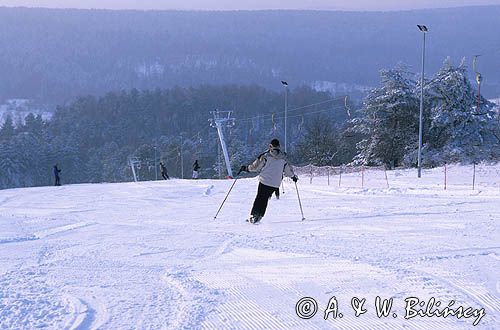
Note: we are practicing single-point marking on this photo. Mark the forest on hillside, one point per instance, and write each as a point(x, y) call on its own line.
point(93, 138)
point(53, 56)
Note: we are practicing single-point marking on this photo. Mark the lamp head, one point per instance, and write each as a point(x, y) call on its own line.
point(422, 28)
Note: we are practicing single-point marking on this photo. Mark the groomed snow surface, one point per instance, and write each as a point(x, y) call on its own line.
point(150, 255)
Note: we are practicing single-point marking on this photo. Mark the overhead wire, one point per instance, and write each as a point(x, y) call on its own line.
point(273, 116)
point(291, 110)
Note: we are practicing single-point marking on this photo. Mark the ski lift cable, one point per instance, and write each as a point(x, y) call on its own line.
point(280, 117)
point(293, 109)
point(263, 116)
point(185, 140)
point(308, 113)
point(303, 114)
point(273, 115)
point(314, 104)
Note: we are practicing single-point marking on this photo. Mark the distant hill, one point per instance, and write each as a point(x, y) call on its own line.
point(53, 55)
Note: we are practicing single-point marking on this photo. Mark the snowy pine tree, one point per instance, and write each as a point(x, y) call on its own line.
point(320, 144)
point(7, 130)
point(388, 121)
point(459, 132)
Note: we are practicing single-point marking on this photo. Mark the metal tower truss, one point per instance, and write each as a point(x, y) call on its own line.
point(220, 120)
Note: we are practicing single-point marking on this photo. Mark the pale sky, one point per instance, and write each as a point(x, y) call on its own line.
point(369, 5)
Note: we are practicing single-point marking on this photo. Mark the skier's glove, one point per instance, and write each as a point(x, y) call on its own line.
point(295, 178)
point(244, 168)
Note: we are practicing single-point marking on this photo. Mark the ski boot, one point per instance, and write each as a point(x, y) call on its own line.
point(255, 219)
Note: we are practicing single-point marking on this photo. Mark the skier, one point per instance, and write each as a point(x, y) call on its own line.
point(163, 171)
point(196, 168)
point(271, 165)
point(56, 175)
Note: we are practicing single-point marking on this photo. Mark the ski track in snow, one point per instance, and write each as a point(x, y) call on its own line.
point(149, 255)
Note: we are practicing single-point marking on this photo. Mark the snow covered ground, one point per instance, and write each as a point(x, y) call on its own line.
point(149, 255)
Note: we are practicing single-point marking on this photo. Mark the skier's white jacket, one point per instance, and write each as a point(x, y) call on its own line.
point(272, 164)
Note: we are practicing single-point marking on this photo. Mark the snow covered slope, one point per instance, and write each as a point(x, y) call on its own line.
point(150, 255)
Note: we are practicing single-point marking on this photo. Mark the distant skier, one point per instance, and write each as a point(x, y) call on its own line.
point(163, 171)
point(56, 175)
point(271, 165)
point(196, 168)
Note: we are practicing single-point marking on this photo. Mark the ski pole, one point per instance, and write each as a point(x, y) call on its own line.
point(300, 204)
point(234, 182)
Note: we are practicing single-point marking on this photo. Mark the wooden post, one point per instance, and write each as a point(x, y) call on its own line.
point(340, 176)
point(328, 173)
point(474, 177)
point(363, 176)
point(445, 176)
point(311, 180)
point(386, 180)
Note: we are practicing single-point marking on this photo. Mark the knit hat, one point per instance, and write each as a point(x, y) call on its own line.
point(275, 143)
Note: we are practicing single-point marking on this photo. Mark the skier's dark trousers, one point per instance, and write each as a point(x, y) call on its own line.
point(56, 175)
point(264, 193)
point(163, 171)
point(277, 193)
point(196, 168)
point(272, 164)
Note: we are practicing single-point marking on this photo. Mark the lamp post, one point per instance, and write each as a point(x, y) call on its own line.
point(424, 30)
point(181, 154)
point(285, 84)
point(156, 169)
